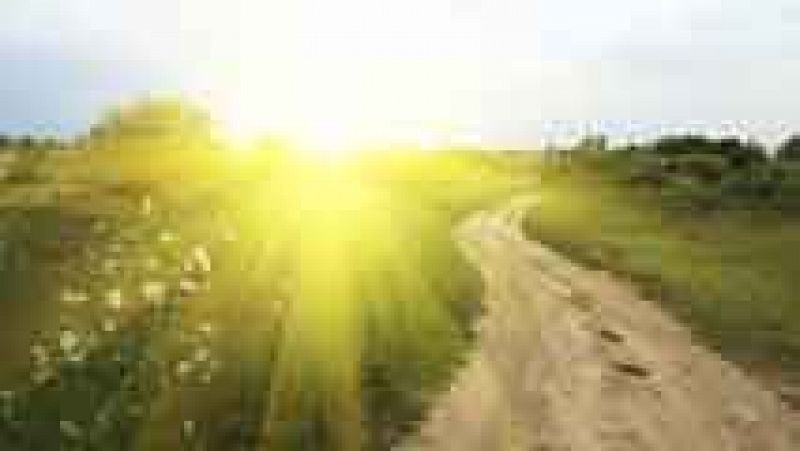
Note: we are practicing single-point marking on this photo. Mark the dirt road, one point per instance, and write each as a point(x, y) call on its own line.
point(569, 358)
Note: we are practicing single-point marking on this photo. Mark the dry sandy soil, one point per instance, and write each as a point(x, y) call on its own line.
point(572, 359)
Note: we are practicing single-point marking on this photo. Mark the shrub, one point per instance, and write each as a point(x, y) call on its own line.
point(705, 168)
point(789, 150)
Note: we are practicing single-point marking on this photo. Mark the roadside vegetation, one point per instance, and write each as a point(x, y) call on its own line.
point(710, 228)
point(161, 291)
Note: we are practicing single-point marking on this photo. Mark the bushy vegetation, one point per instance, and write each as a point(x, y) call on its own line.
point(170, 294)
point(709, 227)
point(703, 174)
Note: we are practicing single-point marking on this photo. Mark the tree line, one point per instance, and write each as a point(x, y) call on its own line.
point(28, 141)
point(694, 171)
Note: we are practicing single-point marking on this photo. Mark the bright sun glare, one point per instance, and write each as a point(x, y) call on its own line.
point(242, 129)
point(326, 81)
point(329, 120)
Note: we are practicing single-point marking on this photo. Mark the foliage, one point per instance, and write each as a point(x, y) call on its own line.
point(789, 150)
point(594, 143)
point(713, 239)
point(153, 139)
point(737, 153)
point(26, 167)
point(26, 142)
point(694, 172)
point(338, 302)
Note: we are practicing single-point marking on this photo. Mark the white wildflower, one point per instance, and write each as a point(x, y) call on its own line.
point(74, 297)
point(70, 429)
point(154, 291)
point(201, 258)
point(187, 286)
point(39, 354)
point(68, 340)
point(188, 428)
point(108, 325)
point(78, 355)
point(188, 265)
point(147, 205)
point(166, 236)
point(202, 354)
point(205, 328)
point(183, 368)
point(113, 298)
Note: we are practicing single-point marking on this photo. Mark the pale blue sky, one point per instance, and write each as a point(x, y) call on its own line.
point(489, 68)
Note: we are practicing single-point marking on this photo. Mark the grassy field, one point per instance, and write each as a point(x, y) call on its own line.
point(160, 294)
point(279, 302)
point(730, 272)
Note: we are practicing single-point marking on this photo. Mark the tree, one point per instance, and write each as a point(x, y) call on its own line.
point(789, 150)
point(593, 143)
point(27, 142)
point(742, 154)
point(706, 168)
point(153, 139)
point(739, 154)
point(155, 119)
point(26, 167)
point(51, 143)
point(668, 146)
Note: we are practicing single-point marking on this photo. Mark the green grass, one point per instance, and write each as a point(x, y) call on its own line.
point(732, 274)
point(335, 320)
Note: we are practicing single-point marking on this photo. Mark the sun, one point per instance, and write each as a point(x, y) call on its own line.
point(327, 92)
point(328, 140)
point(324, 124)
point(319, 76)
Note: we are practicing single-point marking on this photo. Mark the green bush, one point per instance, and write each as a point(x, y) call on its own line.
point(27, 168)
point(705, 168)
point(729, 272)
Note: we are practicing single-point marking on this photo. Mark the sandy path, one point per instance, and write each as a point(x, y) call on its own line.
point(569, 358)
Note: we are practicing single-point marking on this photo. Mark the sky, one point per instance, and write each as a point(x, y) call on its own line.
point(502, 72)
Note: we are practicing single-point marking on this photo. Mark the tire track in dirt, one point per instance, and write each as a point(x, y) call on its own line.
point(569, 358)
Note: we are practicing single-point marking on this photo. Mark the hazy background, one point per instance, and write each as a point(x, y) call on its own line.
point(492, 69)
